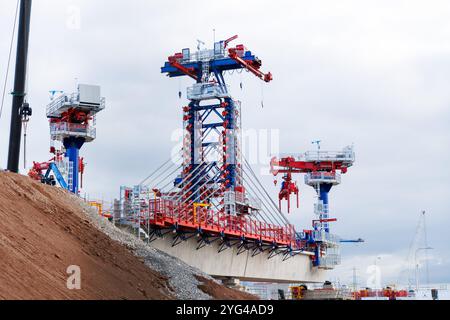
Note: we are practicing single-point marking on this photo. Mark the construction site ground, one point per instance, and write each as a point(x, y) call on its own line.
point(45, 230)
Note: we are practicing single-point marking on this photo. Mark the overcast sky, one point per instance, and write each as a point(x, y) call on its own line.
point(372, 73)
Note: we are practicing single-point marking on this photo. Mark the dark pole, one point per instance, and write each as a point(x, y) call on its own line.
point(19, 85)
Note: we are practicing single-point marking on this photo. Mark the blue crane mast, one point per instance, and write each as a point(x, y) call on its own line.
point(211, 119)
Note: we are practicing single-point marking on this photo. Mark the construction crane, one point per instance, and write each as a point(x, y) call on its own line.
point(72, 124)
point(214, 195)
point(209, 191)
point(221, 119)
point(322, 171)
point(418, 245)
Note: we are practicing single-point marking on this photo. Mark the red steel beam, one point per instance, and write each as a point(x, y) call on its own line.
point(164, 214)
point(173, 60)
point(290, 165)
point(267, 77)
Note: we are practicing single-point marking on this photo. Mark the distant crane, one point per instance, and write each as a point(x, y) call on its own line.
point(419, 243)
point(411, 264)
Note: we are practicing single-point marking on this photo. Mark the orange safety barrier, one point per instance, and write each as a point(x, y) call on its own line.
point(166, 213)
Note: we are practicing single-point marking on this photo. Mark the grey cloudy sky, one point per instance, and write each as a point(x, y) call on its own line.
point(372, 73)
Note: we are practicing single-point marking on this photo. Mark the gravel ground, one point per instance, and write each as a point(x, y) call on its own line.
point(181, 275)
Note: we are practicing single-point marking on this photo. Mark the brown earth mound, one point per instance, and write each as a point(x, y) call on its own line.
point(42, 233)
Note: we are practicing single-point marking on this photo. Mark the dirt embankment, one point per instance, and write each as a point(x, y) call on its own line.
point(44, 231)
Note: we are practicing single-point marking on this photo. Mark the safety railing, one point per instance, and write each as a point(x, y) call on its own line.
point(345, 155)
point(326, 237)
point(245, 199)
point(201, 55)
point(329, 261)
point(219, 52)
point(63, 129)
point(63, 102)
point(167, 212)
point(53, 109)
point(323, 177)
point(203, 91)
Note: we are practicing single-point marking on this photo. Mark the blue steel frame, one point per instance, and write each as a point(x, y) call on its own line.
point(73, 146)
point(228, 177)
point(216, 66)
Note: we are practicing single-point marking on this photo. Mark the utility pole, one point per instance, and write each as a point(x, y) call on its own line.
point(426, 246)
point(355, 280)
point(19, 86)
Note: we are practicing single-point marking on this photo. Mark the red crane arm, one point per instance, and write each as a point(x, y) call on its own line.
point(290, 165)
point(226, 42)
point(252, 67)
point(173, 60)
point(323, 221)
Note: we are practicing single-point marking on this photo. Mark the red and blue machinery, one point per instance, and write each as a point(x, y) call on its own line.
point(72, 124)
point(209, 199)
point(207, 68)
point(322, 171)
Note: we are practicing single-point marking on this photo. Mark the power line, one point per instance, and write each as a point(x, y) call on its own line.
point(9, 58)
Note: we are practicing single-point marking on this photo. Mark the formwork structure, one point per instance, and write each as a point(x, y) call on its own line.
point(208, 190)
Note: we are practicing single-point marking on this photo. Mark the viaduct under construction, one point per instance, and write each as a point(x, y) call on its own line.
point(207, 206)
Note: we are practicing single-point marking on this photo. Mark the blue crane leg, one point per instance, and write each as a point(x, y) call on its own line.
point(58, 176)
point(73, 146)
point(324, 190)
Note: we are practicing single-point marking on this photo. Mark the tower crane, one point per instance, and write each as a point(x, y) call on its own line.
point(215, 194)
point(72, 124)
point(322, 171)
point(217, 123)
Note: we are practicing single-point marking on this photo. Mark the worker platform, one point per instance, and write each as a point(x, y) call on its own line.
point(314, 178)
point(207, 91)
point(346, 156)
point(59, 131)
point(87, 99)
